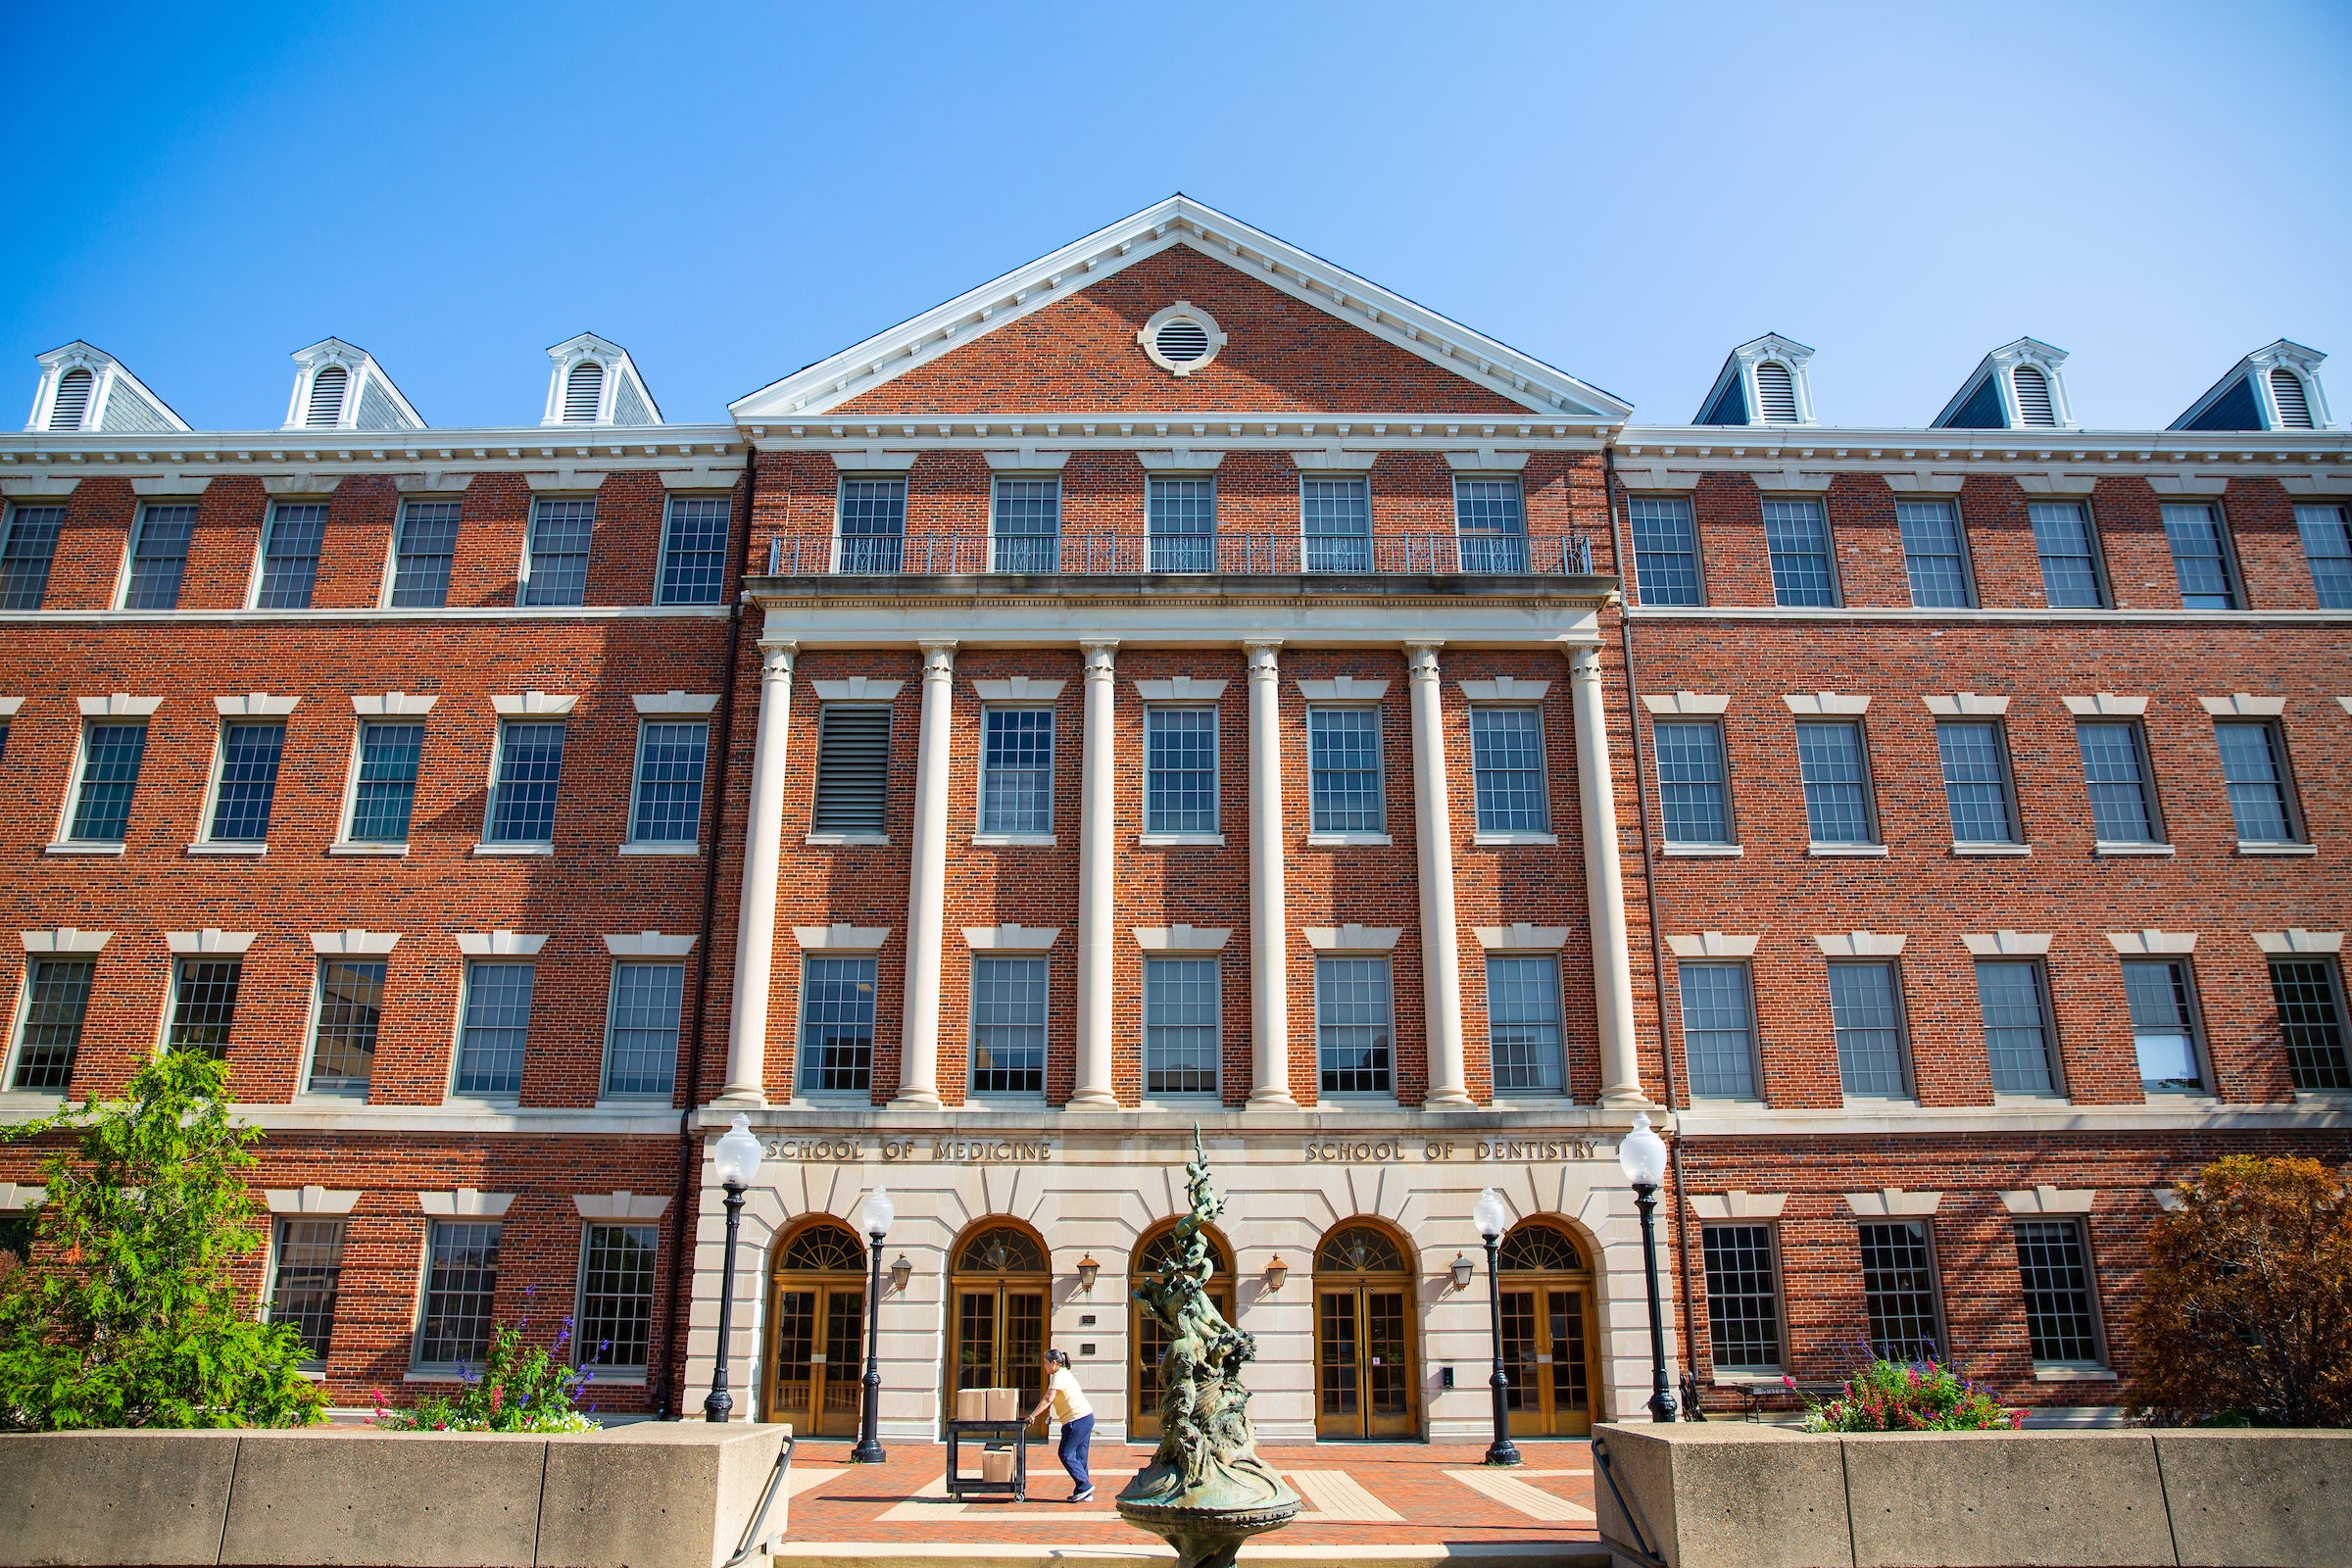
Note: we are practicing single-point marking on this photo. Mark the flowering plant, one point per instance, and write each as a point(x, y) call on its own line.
point(516, 1389)
point(1922, 1395)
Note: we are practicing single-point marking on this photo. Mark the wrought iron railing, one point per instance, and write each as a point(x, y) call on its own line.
point(955, 554)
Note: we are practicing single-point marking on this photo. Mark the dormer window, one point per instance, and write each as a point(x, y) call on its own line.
point(1775, 393)
point(2032, 388)
point(2018, 386)
point(339, 386)
point(2276, 387)
point(327, 387)
point(72, 400)
point(1762, 382)
point(593, 382)
point(2286, 390)
point(88, 389)
point(583, 391)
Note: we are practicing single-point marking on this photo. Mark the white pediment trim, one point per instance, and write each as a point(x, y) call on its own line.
point(1967, 704)
point(1331, 460)
point(1686, 704)
point(1521, 935)
point(676, 702)
point(1826, 703)
point(392, 705)
point(2007, 944)
point(1505, 689)
point(533, 705)
point(353, 944)
point(1180, 689)
point(311, 1199)
point(1344, 689)
point(500, 944)
point(841, 937)
point(1712, 944)
point(873, 460)
point(212, 939)
point(1017, 689)
point(2241, 704)
point(649, 944)
point(857, 689)
point(1889, 1203)
point(2132, 944)
point(1736, 1205)
point(118, 704)
point(1012, 937)
point(254, 705)
point(1352, 937)
point(465, 1203)
point(66, 939)
point(2106, 704)
point(1860, 944)
point(1179, 460)
point(2048, 1199)
point(1182, 938)
point(2294, 939)
point(622, 1204)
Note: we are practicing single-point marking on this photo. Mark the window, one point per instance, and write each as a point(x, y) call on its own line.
point(1334, 517)
point(2017, 1026)
point(1016, 771)
point(1898, 1289)
point(1691, 795)
point(1797, 537)
point(670, 783)
point(461, 1282)
point(1343, 792)
point(616, 1296)
point(1719, 1034)
point(2201, 557)
point(852, 769)
point(1867, 1013)
point(837, 1026)
point(159, 558)
point(1008, 1026)
point(204, 1005)
point(1180, 770)
point(873, 526)
point(1743, 1297)
point(57, 997)
point(498, 1026)
point(2254, 772)
point(2115, 770)
point(2327, 546)
point(248, 787)
point(1665, 552)
point(290, 559)
point(1506, 766)
point(694, 550)
point(1183, 1038)
point(1028, 525)
point(2311, 1016)
point(304, 1284)
point(386, 789)
point(1489, 521)
point(1933, 554)
point(1181, 518)
point(530, 765)
point(1353, 1020)
point(2164, 1029)
point(556, 571)
point(422, 556)
point(2069, 559)
point(110, 754)
point(1976, 783)
point(30, 546)
point(1523, 1025)
point(351, 1006)
point(641, 1038)
point(1837, 805)
point(2054, 1269)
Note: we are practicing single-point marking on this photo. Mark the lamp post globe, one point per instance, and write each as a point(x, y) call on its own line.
point(1642, 1154)
point(1493, 1218)
point(875, 1215)
point(734, 1161)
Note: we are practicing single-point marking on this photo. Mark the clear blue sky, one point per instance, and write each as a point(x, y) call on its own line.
point(730, 192)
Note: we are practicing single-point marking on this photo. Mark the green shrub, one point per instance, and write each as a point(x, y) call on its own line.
point(1925, 1396)
point(516, 1389)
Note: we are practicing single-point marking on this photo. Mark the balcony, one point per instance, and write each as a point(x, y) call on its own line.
point(972, 553)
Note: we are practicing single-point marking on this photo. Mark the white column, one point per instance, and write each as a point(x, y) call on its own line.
point(1097, 798)
point(1441, 938)
point(1604, 887)
point(927, 886)
point(763, 863)
point(1269, 909)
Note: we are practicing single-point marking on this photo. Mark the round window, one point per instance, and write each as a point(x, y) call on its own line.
point(1181, 338)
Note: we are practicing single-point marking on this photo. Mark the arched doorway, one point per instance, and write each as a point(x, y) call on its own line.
point(1368, 1382)
point(1146, 1333)
point(1549, 1332)
point(817, 1329)
point(998, 1287)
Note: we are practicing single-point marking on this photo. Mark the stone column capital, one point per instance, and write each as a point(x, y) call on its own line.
point(939, 660)
point(775, 660)
point(1097, 656)
point(1421, 659)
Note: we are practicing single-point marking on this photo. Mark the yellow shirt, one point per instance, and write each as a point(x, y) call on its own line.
point(1069, 1400)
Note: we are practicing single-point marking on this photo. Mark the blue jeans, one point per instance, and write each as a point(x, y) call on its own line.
point(1075, 1436)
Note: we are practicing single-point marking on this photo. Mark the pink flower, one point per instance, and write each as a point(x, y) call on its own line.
point(1787, 1381)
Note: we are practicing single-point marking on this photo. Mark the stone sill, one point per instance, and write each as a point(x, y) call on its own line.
point(381, 850)
point(1855, 852)
point(1702, 852)
point(1970, 847)
point(1179, 840)
point(676, 851)
point(2073, 1374)
point(1522, 837)
point(1014, 841)
point(2246, 847)
point(1338, 840)
point(237, 851)
point(513, 848)
point(81, 849)
point(845, 840)
point(2104, 848)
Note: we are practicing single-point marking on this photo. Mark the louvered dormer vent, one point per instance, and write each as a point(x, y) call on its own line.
point(2286, 390)
point(74, 401)
point(583, 391)
point(326, 409)
point(2034, 410)
point(1775, 393)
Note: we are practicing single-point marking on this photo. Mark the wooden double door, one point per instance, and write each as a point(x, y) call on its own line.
point(997, 1294)
point(1367, 1356)
point(817, 1331)
point(1550, 1331)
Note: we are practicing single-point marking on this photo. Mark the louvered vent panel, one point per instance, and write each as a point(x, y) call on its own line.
point(73, 400)
point(1775, 390)
point(2294, 407)
point(583, 390)
point(853, 768)
point(1180, 342)
point(327, 397)
point(2034, 408)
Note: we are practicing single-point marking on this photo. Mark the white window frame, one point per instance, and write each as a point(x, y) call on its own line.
point(1387, 957)
point(400, 522)
point(498, 758)
point(1819, 501)
point(204, 843)
point(619, 1374)
point(60, 842)
point(1998, 723)
point(2224, 534)
point(1565, 1094)
point(605, 1096)
point(130, 552)
point(2098, 549)
point(274, 1253)
point(310, 1051)
point(457, 1035)
point(1362, 476)
point(23, 1017)
point(419, 1369)
point(1548, 832)
point(1745, 964)
point(1215, 834)
point(1875, 845)
point(971, 1030)
point(1968, 560)
point(530, 523)
point(631, 844)
point(268, 530)
point(1187, 1097)
point(1780, 1301)
point(2298, 828)
point(2101, 1369)
point(999, 477)
point(1026, 838)
point(1347, 838)
point(1688, 501)
point(344, 843)
point(669, 501)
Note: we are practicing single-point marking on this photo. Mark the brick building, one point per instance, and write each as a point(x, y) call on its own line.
point(1181, 684)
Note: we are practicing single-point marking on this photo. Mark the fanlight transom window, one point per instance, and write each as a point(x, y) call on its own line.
point(1161, 1251)
point(1538, 1248)
point(1002, 1249)
point(824, 1248)
point(1359, 1249)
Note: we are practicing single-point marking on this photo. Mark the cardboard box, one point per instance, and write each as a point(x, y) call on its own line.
point(1004, 1404)
point(996, 1464)
point(969, 1404)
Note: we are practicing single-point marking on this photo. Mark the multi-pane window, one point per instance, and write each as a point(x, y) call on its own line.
point(530, 765)
point(159, 558)
point(1719, 1030)
point(497, 1028)
point(1353, 1023)
point(1933, 554)
point(1334, 520)
point(1183, 1010)
point(1975, 781)
point(351, 1009)
point(306, 1281)
point(1796, 535)
point(2070, 558)
point(110, 754)
point(24, 555)
point(385, 792)
point(640, 1034)
point(2017, 1026)
point(1665, 551)
point(460, 1284)
point(873, 526)
point(2164, 1024)
point(837, 1025)
point(2115, 772)
point(2053, 1268)
point(2254, 772)
point(204, 1005)
point(248, 788)
point(694, 550)
point(1343, 747)
point(1866, 1010)
point(853, 768)
point(1829, 759)
point(669, 782)
point(57, 996)
point(421, 557)
point(1008, 1026)
point(1028, 525)
point(1180, 515)
point(1489, 521)
point(1016, 771)
point(1506, 766)
point(1524, 1039)
point(1692, 794)
point(1898, 1289)
point(2200, 555)
point(2327, 532)
point(2311, 1017)
point(556, 571)
point(1180, 770)
point(616, 1323)
point(1743, 1297)
point(290, 556)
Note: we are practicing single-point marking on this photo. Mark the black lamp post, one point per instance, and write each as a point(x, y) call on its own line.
point(735, 1161)
point(877, 1214)
point(1642, 1155)
point(1492, 1220)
